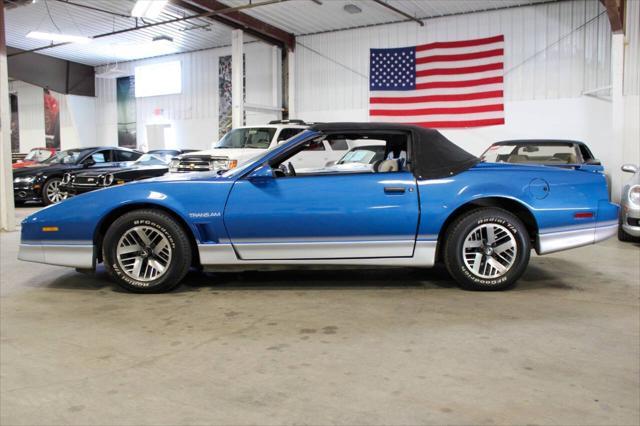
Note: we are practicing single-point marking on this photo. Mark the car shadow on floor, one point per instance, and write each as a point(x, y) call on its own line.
point(537, 276)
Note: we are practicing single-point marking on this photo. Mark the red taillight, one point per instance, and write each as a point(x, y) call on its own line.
point(583, 215)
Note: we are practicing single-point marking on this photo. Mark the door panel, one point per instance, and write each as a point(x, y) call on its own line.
point(323, 217)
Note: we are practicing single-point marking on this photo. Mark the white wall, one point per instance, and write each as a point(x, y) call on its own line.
point(30, 114)
point(193, 114)
point(77, 117)
point(544, 78)
point(546, 55)
point(554, 53)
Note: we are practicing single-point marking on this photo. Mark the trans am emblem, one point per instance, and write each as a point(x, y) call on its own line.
point(201, 215)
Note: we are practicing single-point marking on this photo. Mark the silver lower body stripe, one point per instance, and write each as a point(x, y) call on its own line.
point(324, 250)
point(225, 255)
point(74, 255)
point(558, 241)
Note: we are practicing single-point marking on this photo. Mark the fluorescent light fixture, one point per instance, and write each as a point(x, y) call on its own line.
point(351, 8)
point(57, 37)
point(163, 39)
point(148, 8)
point(164, 78)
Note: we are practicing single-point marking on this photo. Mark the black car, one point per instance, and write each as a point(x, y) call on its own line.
point(152, 164)
point(42, 182)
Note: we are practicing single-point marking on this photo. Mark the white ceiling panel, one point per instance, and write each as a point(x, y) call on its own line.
point(69, 19)
point(308, 17)
point(294, 16)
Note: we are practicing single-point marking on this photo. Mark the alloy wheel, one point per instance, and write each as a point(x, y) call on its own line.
point(144, 253)
point(54, 194)
point(489, 250)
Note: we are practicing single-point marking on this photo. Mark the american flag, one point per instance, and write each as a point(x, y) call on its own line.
point(443, 84)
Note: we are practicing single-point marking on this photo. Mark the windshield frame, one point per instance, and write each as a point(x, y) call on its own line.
point(227, 138)
point(61, 154)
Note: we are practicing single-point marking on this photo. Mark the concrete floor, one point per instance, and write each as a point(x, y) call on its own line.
point(328, 347)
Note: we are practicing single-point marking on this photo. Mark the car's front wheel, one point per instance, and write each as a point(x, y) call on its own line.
point(487, 249)
point(52, 193)
point(147, 251)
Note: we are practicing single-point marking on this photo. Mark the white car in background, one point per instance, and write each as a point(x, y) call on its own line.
point(237, 146)
point(361, 158)
point(629, 227)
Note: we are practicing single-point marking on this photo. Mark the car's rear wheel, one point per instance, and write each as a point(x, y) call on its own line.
point(487, 249)
point(52, 193)
point(147, 251)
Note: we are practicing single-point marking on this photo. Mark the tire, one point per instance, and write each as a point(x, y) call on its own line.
point(163, 254)
point(51, 193)
point(467, 252)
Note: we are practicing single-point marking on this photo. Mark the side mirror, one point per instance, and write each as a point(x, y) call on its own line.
point(89, 162)
point(594, 162)
point(629, 168)
point(330, 163)
point(261, 174)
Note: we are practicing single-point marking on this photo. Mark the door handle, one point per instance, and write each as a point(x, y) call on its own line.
point(394, 189)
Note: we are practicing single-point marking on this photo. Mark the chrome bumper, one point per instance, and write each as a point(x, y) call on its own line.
point(627, 214)
point(564, 240)
point(74, 255)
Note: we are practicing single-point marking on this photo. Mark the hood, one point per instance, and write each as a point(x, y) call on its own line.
point(23, 163)
point(114, 170)
point(34, 170)
point(239, 154)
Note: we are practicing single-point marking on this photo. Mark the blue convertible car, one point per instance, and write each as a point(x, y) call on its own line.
point(425, 201)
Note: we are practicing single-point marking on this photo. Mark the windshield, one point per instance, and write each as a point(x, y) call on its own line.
point(531, 154)
point(38, 155)
point(254, 137)
point(364, 155)
point(69, 156)
point(153, 160)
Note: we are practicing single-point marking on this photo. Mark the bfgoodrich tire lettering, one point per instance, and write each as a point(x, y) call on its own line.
point(510, 233)
point(175, 256)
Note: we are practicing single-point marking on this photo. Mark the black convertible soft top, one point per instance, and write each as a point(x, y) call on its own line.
point(432, 155)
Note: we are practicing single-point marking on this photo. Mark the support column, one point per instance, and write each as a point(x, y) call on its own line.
point(291, 84)
point(237, 80)
point(276, 80)
point(617, 113)
point(7, 213)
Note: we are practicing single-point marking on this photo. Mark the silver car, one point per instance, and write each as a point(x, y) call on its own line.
point(629, 229)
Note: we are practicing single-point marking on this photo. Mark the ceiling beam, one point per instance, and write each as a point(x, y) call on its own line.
point(399, 12)
point(615, 11)
point(241, 21)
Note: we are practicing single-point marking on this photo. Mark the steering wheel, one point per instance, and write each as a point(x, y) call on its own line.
point(292, 171)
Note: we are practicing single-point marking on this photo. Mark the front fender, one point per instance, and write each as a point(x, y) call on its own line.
point(76, 220)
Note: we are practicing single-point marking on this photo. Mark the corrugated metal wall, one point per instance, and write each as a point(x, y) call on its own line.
point(194, 112)
point(632, 52)
point(30, 114)
point(554, 50)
